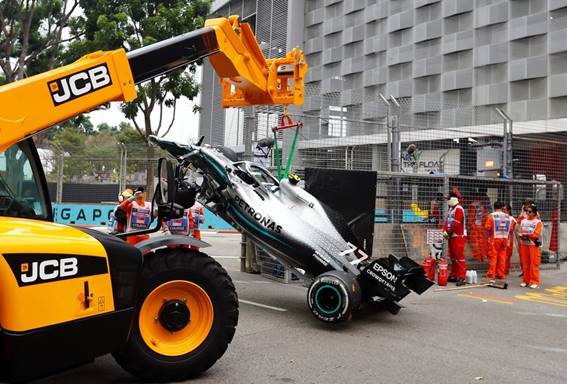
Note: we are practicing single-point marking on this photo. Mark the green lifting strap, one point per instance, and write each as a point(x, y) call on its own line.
point(278, 164)
point(291, 153)
point(286, 123)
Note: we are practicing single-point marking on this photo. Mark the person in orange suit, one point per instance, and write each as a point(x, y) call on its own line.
point(523, 215)
point(530, 237)
point(139, 214)
point(498, 225)
point(189, 224)
point(455, 232)
point(478, 214)
point(510, 250)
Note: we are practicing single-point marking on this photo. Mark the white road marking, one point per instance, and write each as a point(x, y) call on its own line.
point(549, 349)
point(262, 305)
point(225, 257)
point(556, 315)
point(252, 282)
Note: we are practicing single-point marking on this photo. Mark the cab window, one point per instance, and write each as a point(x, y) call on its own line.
point(21, 194)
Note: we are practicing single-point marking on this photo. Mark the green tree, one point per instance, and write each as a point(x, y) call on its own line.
point(96, 156)
point(32, 35)
point(131, 24)
point(31, 39)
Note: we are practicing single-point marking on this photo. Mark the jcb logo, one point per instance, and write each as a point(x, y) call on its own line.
point(78, 84)
point(42, 268)
point(49, 270)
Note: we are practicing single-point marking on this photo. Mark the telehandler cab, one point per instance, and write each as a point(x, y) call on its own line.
point(69, 294)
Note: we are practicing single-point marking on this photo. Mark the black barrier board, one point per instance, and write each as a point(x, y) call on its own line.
point(348, 197)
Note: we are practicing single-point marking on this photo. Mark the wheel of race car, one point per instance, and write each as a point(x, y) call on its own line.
point(333, 296)
point(185, 317)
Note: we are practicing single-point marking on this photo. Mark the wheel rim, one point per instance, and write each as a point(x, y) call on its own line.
point(176, 318)
point(328, 299)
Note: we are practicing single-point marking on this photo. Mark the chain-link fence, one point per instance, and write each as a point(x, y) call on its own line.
point(407, 206)
point(69, 175)
point(420, 147)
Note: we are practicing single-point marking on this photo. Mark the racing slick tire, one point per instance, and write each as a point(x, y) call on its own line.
point(333, 296)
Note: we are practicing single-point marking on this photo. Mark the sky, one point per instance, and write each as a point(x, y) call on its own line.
point(186, 125)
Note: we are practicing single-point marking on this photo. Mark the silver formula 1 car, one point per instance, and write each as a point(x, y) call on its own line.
point(297, 229)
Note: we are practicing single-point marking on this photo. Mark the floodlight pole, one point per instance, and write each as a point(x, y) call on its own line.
point(507, 169)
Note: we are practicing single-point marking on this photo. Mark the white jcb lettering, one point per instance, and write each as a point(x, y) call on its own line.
point(51, 269)
point(32, 277)
point(63, 94)
point(79, 84)
point(43, 272)
point(68, 267)
point(99, 77)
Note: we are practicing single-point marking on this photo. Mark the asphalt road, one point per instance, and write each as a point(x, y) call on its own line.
point(467, 336)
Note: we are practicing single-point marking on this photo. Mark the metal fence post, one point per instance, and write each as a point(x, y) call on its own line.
point(507, 170)
point(60, 175)
point(444, 211)
point(396, 139)
point(559, 199)
point(388, 132)
point(123, 167)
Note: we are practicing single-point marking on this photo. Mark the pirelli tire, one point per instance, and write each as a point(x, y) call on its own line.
point(185, 318)
point(333, 296)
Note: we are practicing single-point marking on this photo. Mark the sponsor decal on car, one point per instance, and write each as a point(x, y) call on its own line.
point(257, 216)
point(321, 258)
point(383, 275)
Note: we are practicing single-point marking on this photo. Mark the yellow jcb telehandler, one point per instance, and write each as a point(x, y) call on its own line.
point(69, 294)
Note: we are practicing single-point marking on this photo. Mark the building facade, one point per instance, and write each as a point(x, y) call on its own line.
point(449, 63)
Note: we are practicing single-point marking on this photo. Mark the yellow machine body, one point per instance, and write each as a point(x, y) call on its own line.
point(57, 299)
point(68, 295)
point(28, 106)
point(247, 77)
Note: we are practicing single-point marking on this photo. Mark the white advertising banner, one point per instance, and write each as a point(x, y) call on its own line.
point(445, 161)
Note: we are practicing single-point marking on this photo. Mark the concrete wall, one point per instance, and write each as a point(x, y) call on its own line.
point(472, 52)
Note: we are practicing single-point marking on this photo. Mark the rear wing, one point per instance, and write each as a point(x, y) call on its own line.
point(247, 78)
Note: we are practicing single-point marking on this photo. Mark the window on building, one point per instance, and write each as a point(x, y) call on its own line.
point(233, 126)
point(457, 98)
point(266, 121)
point(491, 74)
point(337, 124)
point(428, 13)
point(557, 19)
point(457, 60)
point(426, 84)
point(528, 47)
point(491, 34)
point(428, 48)
point(526, 7)
point(458, 23)
point(528, 89)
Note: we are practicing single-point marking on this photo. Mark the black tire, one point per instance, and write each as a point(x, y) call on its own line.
point(167, 265)
point(333, 296)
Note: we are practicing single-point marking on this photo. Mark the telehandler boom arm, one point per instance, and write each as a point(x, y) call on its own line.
point(247, 78)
